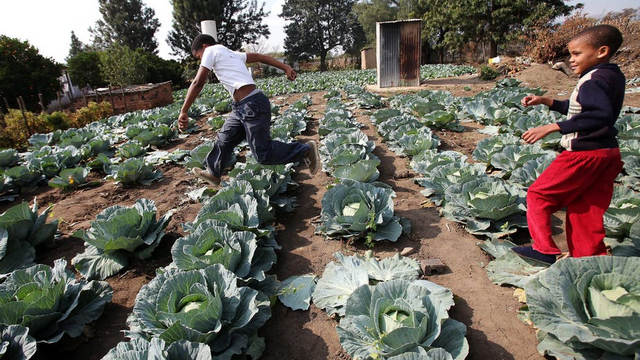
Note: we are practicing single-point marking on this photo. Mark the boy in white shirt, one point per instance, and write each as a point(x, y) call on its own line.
point(251, 115)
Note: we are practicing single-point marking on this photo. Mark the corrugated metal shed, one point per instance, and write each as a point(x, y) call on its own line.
point(398, 52)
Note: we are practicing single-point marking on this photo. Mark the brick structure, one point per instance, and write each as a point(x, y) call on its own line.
point(135, 97)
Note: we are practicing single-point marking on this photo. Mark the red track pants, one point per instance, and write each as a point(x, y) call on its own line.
point(581, 181)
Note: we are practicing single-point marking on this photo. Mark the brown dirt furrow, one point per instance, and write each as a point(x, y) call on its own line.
point(489, 311)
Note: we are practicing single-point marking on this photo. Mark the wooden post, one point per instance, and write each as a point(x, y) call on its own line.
point(24, 116)
point(58, 100)
point(41, 102)
point(124, 100)
point(84, 96)
point(6, 103)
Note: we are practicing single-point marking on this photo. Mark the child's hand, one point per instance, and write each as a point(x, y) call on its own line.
point(531, 100)
point(532, 135)
point(183, 121)
point(291, 74)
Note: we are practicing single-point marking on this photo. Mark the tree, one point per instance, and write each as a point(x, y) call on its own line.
point(122, 66)
point(76, 46)
point(84, 68)
point(371, 11)
point(238, 22)
point(128, 22)
point(316, 27)
point(24, 72)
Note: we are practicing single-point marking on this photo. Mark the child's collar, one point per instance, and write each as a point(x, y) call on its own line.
point(598, 66)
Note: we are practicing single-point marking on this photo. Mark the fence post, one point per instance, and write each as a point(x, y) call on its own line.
point(24, 116)
point(6, 103)
point(41, 102)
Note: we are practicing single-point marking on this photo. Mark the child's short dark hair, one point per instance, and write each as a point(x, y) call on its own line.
point(202, 39)
point(602, 35)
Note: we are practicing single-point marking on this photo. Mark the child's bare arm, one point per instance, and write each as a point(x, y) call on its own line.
point(266, 59)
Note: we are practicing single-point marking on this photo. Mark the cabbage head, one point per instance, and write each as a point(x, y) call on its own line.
point(135, 171)
point(214, 243)
point(487, 206)
point(118, 233)
point(204, 306)
point(157, 349)
point(587, 308)
point(8, 158)
point(51, 302)
point(355, 209)
point(400, 316)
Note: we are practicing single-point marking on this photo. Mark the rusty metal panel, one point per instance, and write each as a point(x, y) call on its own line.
point(410, 48)
point(398, 53)
point(388, 51)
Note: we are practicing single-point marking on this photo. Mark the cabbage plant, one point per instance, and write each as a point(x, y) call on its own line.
point(530, 170)
point(134, 171)
point(400, 316)
point(8, 158)
point(131, 149)
point(343, 276)
point(204, 306)
point(440, 178)
point(21, 230)
point(587, 308)
point(486, 206)
point(16, 343)
point(427, 161)
point(623, 212)
point(70, 178)
point(355, 209)
point(198, 155)
point(51, 302)
point(157, 349)
point(239, 206)
point(214, 243)
point(275, 180)
point(117, 234)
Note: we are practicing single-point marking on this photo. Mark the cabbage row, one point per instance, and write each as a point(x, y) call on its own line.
point(210, 301)
point(385, 312)
point(356, 207)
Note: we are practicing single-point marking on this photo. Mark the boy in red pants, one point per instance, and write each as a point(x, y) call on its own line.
point(581, 178)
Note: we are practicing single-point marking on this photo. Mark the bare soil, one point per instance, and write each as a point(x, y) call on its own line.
point(489, 311)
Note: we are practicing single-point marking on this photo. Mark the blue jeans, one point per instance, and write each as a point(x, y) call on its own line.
point(251, 119)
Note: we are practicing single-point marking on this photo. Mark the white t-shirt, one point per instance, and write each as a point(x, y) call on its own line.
point(229, 66)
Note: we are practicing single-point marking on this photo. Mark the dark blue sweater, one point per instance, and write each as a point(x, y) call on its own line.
point(599, 101)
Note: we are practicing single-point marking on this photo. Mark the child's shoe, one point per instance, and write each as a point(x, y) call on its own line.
point(530, 253)
point(312, 158)
point(206, 176)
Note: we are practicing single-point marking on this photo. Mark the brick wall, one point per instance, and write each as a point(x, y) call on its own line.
point(136, 97)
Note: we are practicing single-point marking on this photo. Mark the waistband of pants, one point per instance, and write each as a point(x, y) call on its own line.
point(255, 91)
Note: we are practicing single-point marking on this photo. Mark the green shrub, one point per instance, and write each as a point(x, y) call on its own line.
point(84, 68)
point(57, 120)
point(488, 73)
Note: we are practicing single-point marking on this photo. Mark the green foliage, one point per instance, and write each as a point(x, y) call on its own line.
point(76, 46)
point(84, 68)
point(57, 120)
point(51, 302)
point(316, 27)
point(342, 277)
point(127, 22)
point(161, 70)
point(486, 72)
point(238, 22)
point(402, 317)
point(22, 229)
point(120, 65)
point(117, 234)
point(205, 306)
point(157, 349)
point(69, 179)
point(353, 209)
point(16, 342)
point(25, 72)
point(135, 171)
point(587, 308)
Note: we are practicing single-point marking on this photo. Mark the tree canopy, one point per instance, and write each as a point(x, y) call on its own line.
point(76, 46)
point(128, 22)
point(315, 27)
point(25, 72)
point(238, 22)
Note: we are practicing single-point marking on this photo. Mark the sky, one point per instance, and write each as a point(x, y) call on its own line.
point(47, 24)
